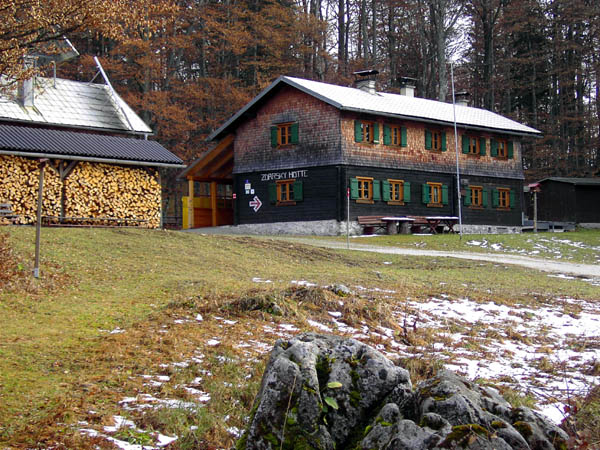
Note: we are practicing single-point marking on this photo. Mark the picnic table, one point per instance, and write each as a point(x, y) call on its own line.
point(392, 223)
point(433, 222)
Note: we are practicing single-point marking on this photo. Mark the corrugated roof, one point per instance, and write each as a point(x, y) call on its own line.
point(76, 145)
point(574, 180)
point(393, 105)
point(73, 104)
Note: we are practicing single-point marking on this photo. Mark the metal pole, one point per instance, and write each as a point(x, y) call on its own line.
point(38, 226)
point(535, 211)
point(456, 151)
point(348, 218)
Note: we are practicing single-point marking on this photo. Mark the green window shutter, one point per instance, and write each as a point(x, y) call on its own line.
point(358, 134)
point(484, 199)
point(493, 147)
point(425, 193)
point(495, 198)
point(403, 139)
point(512, 199)
point(376, 133)
point(298, 192)
point(387, 135)
point(385, 186)
point(406, 192)
point(354, 188)
point(482, 146)
point(376, 190)
point(444, 194)
point(465, 144)
point(273, 136)
point(427, 141)
point(467, 197)
point(443, 135)
point(510, 149)
point(272, 193)
point(294, 130)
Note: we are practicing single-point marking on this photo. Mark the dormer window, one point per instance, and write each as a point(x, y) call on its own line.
point(284, 134)
point(394, 135)
point(366, 131)
point(435, 140)
point(501, 148)
point(472, 145)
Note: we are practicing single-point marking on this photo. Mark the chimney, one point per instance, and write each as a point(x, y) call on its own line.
point(462, 98)
point(365, 80)
point(408, 86)
point(26, 87)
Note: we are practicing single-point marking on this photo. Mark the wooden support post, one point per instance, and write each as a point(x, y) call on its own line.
point(38, 227)
point(160, 201)
point(213, 202)
point(190, 203)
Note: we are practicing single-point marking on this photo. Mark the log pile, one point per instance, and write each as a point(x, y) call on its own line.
point(125, 195)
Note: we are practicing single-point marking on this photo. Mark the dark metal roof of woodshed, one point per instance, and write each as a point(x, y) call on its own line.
point(41, 142)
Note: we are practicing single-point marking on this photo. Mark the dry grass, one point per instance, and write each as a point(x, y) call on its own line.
point(60, 365)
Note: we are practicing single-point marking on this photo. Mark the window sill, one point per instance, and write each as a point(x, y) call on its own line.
point(473, 155)
point(475, 207)
point(435, 205)
point(285, 203)
point(502, 208)
point(396, 203)
point(360, 200)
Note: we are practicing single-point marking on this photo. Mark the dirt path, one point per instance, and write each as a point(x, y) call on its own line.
point(583, 270)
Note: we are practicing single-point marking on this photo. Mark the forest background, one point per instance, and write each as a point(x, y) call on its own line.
point(187, 65)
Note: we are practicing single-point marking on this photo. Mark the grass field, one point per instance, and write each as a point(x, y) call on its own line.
point(170, 330)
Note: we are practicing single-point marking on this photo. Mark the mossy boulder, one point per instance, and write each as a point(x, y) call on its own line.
point(327, 392)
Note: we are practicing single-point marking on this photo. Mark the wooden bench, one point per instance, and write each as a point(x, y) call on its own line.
point(370, 223)
point(6, 212)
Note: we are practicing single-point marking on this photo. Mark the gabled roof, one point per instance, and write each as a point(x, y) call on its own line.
point(46, 143)
point(390, 105)
point(72, 104)
point(574, 180)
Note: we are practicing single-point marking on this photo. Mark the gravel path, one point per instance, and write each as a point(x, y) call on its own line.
point(584, 270)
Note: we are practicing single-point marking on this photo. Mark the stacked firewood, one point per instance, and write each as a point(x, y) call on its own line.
point(19, 180)
point(106, 194)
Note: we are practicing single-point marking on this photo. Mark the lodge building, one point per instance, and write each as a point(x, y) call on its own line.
point(289, 157)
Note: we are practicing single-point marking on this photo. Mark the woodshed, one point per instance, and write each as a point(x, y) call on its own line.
point(100, 167)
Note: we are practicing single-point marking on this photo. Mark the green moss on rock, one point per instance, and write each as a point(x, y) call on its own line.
point(463, 435)
point(524, 428)
point(497, 424)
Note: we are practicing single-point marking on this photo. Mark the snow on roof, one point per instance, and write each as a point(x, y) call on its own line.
point(393, 105)
point(72, 104)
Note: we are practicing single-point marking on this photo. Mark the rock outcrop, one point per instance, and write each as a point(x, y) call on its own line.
point(328, 392)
